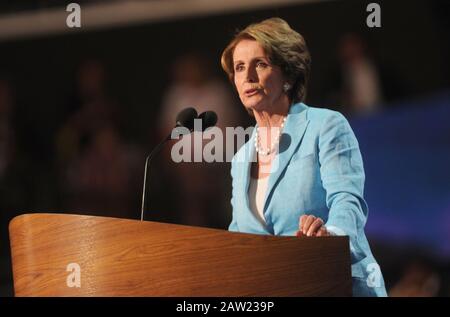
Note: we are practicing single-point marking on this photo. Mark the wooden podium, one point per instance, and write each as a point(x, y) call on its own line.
point(121, 257)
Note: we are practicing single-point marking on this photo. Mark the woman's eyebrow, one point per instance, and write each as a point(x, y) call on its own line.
point(254, 58)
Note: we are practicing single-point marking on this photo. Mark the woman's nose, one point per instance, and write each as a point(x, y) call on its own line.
point(251, 76)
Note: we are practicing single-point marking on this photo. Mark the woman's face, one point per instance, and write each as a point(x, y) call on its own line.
point(258, 82)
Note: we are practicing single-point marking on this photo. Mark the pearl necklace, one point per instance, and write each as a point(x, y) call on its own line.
point(266, 152)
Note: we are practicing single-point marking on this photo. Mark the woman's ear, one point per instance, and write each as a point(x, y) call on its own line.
point(286, 87)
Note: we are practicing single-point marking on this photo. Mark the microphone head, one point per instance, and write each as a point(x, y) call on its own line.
point(209, 119)
point(185, 118)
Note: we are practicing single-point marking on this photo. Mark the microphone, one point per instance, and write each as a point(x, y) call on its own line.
point(209, 119)
point(185, 118)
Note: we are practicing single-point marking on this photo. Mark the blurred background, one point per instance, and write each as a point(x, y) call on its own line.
point(80, 108)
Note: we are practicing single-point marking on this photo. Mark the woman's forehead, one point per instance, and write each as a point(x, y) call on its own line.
point(248, 49)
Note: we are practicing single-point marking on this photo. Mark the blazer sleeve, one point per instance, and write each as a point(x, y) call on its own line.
point(342, 175)
point(233, 225)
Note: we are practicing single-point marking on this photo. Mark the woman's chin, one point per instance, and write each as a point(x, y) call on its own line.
point(254, 106)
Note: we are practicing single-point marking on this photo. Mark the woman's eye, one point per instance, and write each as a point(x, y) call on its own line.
point(239, 68)
point(261, 64)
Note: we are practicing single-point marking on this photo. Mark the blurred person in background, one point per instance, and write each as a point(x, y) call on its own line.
point(361, 85)
point(90, 107)
point(100, 179)
point(97, 168)
point(360, 91)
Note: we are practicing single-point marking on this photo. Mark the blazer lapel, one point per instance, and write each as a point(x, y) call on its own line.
point(244, 161)
point(291, 137)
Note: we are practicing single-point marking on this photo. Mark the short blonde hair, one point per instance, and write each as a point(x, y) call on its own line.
point(285, 48)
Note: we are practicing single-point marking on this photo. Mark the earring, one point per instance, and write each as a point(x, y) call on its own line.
point(286, 87)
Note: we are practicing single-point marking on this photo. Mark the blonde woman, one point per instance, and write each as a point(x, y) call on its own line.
point(304, 175)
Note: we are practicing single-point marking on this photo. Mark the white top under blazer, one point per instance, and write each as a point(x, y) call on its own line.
point(256, 193)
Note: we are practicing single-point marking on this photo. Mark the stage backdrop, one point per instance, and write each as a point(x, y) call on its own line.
point(406, 154)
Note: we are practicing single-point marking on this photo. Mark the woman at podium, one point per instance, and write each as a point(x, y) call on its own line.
point(301, 173)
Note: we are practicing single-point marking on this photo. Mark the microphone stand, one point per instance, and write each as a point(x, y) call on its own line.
point(181, 123)
point(149, 158)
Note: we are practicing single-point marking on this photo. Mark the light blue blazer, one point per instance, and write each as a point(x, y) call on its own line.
point(318, 171)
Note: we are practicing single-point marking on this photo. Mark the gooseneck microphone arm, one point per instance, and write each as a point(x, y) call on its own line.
point(185, 119)
point(149, 158)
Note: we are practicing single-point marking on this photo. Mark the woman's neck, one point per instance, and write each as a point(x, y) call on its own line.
point(269, 129)
point(272, 117)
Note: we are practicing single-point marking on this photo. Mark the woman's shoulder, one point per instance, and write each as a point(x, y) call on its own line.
point(321, 119)
point(320, 114)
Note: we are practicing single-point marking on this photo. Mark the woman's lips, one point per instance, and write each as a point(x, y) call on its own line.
point(251, 92)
